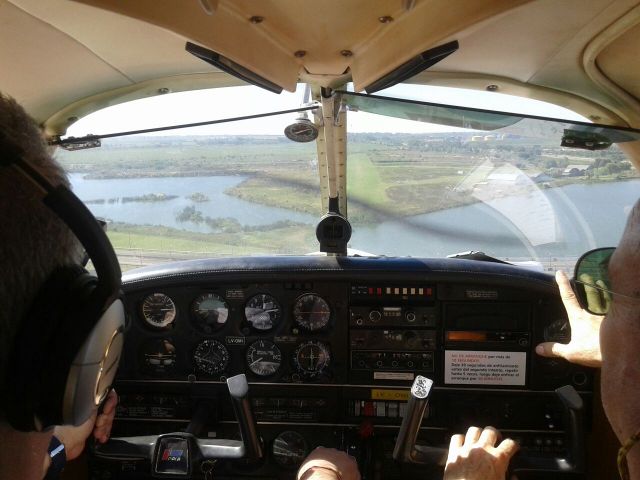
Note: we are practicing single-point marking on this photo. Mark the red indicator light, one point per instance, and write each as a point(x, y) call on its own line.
point(379, 291)
point(429, 292)
point(370, 290)
point(369, 409)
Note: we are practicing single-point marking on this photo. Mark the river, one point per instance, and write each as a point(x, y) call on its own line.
point(566, 221)
point(218, 205)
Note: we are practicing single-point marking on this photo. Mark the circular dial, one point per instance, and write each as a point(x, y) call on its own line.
point(262, 312)
point(311, 358)
point(159, 356)
point(211, 357)
point(210, 312)
point(289, 449)
point(311, 312)
point(158, 310)
point(302, 130)
point(264, 358)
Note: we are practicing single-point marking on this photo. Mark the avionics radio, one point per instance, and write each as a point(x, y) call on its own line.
point(486, 344)
point(392, 332)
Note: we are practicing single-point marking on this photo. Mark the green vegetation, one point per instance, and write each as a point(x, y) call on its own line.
point(387, 174)
point(283, 189)
point(149, 197)
point(198, 197)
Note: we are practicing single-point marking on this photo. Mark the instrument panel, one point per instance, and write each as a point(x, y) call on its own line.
point(276, 332)
point(330, 348)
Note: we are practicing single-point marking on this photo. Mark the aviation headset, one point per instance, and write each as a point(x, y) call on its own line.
point(66, 351)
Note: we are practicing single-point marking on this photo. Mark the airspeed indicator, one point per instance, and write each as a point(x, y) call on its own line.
point(158, 310)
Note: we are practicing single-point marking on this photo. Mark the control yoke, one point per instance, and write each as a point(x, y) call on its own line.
point(406, 450)
point(175, 453)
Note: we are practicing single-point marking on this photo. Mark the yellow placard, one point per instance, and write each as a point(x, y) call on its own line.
point(397, 395)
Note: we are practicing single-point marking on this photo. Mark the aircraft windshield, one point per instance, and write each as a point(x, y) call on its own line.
point(518, 187)
point(422, 180)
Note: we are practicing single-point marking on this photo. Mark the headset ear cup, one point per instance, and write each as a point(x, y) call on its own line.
point(35, 359)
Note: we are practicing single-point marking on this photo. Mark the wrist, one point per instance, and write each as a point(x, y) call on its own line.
point(319, 473)
point(56, 459)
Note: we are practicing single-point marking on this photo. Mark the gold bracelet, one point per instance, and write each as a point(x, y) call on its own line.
point(623, 467)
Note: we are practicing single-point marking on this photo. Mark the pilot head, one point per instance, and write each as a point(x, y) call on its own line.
point(34, 241)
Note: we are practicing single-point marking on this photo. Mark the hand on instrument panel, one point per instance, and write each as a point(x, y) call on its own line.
point(474, 456)
point(584, 347)
point(328, 464)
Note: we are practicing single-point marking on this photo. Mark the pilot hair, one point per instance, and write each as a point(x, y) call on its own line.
point(33, 240)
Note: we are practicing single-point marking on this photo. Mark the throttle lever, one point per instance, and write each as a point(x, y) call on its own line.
point(406, 450)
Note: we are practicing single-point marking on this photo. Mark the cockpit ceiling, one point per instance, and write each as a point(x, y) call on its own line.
point(69, 58)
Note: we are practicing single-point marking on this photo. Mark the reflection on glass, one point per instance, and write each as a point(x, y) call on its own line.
point(592, 274)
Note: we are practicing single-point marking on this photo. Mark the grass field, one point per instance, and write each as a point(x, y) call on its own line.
point(288, 240)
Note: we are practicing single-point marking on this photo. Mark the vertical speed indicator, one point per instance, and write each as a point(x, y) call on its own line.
point(264, 358)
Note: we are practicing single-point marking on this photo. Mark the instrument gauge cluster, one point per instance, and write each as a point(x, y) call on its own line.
point(271, 332)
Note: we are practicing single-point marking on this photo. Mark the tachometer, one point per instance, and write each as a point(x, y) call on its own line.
point(289, 449)
point(311, 358)
point(210, 312)
point(262, 312)
point(311, 312)
point(159, 356)
point(264, 358)
point(158, 310)
point(211, 357)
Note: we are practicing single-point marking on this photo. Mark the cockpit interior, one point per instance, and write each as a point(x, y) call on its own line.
point(338, 222)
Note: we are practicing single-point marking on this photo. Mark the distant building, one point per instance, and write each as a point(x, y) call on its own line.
point(541, 178)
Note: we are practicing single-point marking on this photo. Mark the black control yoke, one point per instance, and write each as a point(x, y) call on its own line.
point(173, 453)
point(406, 450)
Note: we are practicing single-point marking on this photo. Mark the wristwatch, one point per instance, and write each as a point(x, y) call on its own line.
point(58, 457)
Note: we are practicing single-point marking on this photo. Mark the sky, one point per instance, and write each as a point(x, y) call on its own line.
point(213, 104)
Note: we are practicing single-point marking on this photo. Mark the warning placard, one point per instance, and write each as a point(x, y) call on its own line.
point(484, 368)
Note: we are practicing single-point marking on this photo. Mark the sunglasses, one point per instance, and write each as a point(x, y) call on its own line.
point(591, 281)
